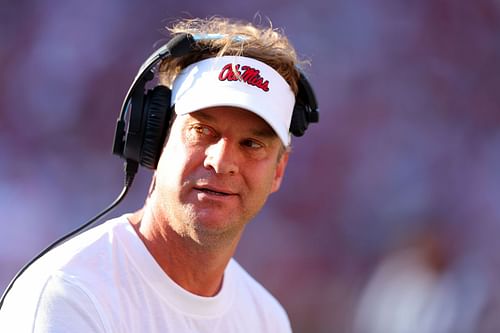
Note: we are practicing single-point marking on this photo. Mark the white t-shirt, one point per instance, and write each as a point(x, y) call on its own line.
point(105, 280)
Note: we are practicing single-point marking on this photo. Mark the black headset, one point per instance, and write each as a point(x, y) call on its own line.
point(149, 112)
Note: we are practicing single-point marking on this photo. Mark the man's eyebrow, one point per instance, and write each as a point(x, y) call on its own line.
point(266, 132)
point(204, 115)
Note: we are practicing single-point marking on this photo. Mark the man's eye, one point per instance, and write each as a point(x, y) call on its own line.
point(202, 130)
point(252, 144)
point(197, 133)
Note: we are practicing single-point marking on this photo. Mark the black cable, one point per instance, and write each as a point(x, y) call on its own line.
point(130, 171)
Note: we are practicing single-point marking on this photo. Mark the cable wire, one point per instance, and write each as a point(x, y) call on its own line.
point(130, 171)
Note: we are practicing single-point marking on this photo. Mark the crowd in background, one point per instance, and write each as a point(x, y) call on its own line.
point(388, 220)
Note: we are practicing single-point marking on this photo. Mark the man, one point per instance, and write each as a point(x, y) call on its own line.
point(169, 266)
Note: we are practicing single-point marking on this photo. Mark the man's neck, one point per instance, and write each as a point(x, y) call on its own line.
point(197, 268)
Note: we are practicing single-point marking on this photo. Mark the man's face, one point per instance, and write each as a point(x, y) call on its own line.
point(216, 171)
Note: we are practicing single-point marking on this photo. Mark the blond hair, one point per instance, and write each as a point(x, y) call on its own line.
point(235, 37)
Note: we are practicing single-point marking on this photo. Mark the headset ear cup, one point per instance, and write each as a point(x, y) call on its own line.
point(305, 110)
point(298, 124)
point(157, 118)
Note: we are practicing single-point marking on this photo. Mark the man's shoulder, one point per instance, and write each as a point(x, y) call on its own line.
point(86, 251)
point(257, 302)
point(255, 295)
point(90, 243)
point(247, 280)
point(63, 273)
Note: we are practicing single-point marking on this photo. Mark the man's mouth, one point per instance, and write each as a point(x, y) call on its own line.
point(212, 191)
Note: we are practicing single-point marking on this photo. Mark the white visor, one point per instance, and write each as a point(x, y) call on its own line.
point(236, 81)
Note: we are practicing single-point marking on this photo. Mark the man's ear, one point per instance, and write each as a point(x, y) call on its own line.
point(280, 171)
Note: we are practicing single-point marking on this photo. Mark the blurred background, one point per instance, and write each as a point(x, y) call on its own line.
point(389, 217)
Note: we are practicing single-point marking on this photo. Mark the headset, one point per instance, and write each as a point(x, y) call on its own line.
point(140, 140)
point(149, 112)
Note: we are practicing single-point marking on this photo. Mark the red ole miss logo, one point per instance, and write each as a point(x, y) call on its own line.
point(247, 74)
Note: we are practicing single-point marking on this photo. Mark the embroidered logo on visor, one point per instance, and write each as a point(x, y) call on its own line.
point(247, 74)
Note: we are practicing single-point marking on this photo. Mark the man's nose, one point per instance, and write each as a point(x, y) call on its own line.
point(222, 157)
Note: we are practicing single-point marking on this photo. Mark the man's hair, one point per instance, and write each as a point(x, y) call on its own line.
point(234, 37)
